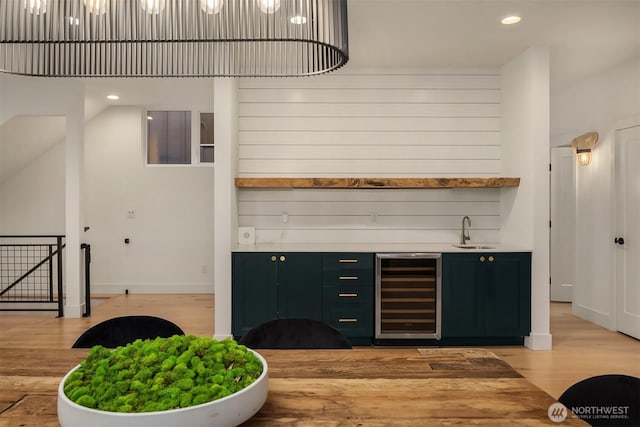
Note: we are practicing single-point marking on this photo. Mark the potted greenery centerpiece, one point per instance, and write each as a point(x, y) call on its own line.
point(182, 380)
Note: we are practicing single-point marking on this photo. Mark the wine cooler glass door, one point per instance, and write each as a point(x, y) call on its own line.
point(408, 295)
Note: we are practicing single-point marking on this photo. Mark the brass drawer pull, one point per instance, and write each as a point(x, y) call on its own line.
point(273, 258)
point(351, 261)
point(283, 258)
point(348, 277)
point(482, 259)
point(348, 320)
point(347, 295)
point(491, 258)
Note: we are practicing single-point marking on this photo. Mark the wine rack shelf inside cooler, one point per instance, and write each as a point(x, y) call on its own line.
point(408, 297)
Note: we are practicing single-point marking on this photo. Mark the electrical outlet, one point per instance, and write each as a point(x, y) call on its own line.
point(131, 214)
point(285, 217)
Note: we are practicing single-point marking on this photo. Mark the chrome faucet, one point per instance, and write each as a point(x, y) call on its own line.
point(465, 233)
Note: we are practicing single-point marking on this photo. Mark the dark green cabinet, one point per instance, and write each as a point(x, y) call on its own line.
point(486, 295)
point(274, 285)
point(336, 288)
point(347, 294)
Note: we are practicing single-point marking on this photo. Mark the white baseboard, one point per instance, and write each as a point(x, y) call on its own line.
point(152, 288)
point(538, 341)
point(591, 315)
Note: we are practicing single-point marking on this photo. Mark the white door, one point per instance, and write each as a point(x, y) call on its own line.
point(628, 229)
point(563, 220)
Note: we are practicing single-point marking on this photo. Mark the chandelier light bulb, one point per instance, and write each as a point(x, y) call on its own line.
point(97, 7)
point(269, 6)
point(298, 20)
point(152, 7)
point(211, 7)
point(510, 20)
point(36, 6)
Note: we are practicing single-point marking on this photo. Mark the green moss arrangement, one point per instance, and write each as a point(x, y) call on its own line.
point(162, 374)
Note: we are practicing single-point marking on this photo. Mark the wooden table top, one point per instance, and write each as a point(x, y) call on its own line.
point(368, 387)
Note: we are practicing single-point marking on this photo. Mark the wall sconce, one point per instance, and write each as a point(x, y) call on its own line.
point(583, 145)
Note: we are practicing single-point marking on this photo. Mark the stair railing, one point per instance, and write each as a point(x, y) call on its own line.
point(31, 273)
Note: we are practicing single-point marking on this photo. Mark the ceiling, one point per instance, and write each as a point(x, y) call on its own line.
point(584, 37)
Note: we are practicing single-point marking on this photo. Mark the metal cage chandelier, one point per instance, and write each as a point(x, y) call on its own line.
point(173, 38)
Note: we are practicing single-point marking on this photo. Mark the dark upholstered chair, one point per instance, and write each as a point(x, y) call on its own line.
point(605, 392)
point(120, 331)
point(294, 334)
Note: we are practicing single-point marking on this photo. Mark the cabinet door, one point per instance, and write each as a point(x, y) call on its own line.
point(508, 295)
point(299, 279)
point(254, 292)
point(463, 295)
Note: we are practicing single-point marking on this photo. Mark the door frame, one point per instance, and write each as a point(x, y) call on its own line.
point(617, 218)
point(562, 292)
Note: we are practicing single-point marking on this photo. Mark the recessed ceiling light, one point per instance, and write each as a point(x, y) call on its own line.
point(113, 97)
point(509, 20)
point(298, 19)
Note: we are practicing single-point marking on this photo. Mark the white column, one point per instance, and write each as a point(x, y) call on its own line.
point(225, 198)
point(74, 208)
point(524, 212)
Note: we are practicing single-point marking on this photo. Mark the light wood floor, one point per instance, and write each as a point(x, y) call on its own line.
point(580, 349)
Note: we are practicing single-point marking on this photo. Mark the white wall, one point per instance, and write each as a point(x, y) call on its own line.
point(33, 198)
point(172, 235)
point(171, 249)
point(65, 97)
point(597, 103)
point(524, 211)
point(369, 123)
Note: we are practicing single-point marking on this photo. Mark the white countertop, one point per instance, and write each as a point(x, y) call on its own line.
point(376, 247)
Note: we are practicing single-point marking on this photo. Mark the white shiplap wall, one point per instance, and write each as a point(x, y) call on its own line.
point(371, 125)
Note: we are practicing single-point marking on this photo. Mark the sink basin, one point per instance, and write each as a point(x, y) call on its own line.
point(472, 246)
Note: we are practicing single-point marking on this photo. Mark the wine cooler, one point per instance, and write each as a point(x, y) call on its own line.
point(408, 296)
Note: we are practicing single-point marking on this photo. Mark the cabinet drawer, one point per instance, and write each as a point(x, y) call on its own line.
point(353, 296)
point(347, 261)
point(348, 279)
point(351, 321)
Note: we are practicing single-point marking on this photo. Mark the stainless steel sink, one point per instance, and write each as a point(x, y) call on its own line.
point(472, 246)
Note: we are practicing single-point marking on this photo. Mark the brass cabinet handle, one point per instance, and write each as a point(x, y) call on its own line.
point(348, 320)
point(482, 258)
point(283, 258)
point(348, 261)
point(348, 277)
point(273, 258)
point(347, 295)
point(491, 258)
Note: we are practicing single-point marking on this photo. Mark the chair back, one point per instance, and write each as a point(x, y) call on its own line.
point(120, 331)
point(605, 393)
point(294, 334)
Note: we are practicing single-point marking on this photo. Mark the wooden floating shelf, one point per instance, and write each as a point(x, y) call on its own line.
point(382, 183)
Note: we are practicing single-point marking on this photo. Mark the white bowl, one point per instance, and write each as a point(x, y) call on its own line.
point(228, 411)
